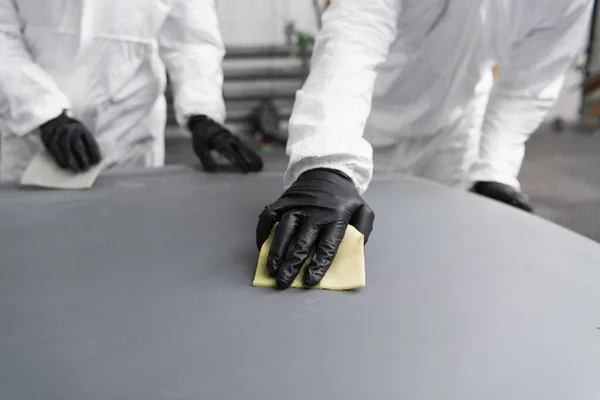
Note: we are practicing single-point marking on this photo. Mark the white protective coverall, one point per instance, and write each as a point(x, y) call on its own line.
point(104, 61)
point(416, 75)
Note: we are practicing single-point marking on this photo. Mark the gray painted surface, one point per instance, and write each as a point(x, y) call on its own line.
point(141, 289)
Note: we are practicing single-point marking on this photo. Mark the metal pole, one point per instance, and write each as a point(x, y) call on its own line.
point(318, 13)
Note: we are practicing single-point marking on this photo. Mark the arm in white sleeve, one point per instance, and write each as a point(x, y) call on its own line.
point(28, 95)
point(527, 88)
point(331, 110)
point(192, 49)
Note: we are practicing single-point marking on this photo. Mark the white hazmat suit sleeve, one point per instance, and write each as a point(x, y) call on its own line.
point(192, 49)
point(528, 86)
point(29, 96)
point(330, 112)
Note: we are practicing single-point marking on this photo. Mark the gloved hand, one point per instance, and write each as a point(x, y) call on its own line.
point(504, 193)
point(313, 212)
point(70, 143)
point(207, 136)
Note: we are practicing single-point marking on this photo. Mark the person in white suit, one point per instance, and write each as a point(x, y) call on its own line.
point(415, 76)
point(76, 72)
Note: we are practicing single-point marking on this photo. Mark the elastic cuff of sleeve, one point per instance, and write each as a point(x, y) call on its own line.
point(216, 114)
point(359, 176)
point(196, 120)
point(34, 120)
point(488, 175)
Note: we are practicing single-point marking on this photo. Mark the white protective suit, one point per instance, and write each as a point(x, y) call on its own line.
point(416, 75)
point(104, 61)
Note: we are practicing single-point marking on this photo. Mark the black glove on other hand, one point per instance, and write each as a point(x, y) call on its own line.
point(208, 136)
point(70, 143)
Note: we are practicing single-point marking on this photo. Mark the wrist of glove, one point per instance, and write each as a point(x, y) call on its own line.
point(503, 193)
point(70, 143)
point(209, 136)
point(313, 213)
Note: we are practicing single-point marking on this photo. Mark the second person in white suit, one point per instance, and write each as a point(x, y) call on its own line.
point(75, 72)
point(415, 76)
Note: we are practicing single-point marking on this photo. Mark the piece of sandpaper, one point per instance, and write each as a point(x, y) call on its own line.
point(347, 271)
point(43, 171)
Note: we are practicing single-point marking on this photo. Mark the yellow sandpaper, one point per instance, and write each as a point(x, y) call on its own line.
point(347, 270)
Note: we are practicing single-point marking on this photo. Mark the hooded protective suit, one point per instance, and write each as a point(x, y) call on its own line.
point(104, 61)
point(417, 76)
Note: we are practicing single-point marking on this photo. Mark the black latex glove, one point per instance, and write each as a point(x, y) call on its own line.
point(313, 213)
point(504, 193)
point(207, 136)
point(70, 143)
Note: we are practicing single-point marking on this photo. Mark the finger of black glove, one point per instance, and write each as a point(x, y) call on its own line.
point(234, 158)
point(527, 207)
point(363, 220)
point(66, 146)
point(522, 202)
point(305, 238)
point(329, 241)
point(282, 239)
point(52, 143)
point(203, 152)
point(498, 195)
point(79, 152)
point(251, 157)
point(92, 149)
point(266, 220)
